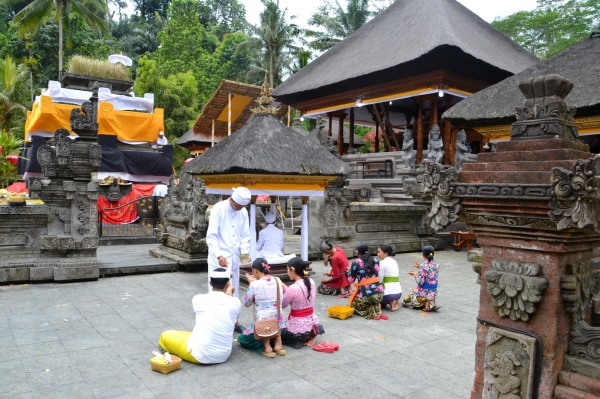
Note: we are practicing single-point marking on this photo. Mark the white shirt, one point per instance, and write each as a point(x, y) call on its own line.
point(389, 268)
point(212, 337)
point(162, 140)
point(228, 234)
point(270, 242)
point(160, 190)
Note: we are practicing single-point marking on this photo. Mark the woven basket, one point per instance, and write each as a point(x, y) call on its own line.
point(340, 312)
point(166, 368)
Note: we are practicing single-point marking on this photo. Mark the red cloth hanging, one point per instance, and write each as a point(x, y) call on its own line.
point(125, 214)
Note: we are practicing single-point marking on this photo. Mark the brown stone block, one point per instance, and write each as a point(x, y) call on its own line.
point(539, 145)
point(505, 177)
point(544, 155)
point(563, 392)
point(580, 382)
point(517, 166)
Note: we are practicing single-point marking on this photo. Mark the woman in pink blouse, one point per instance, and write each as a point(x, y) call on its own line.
point(302, 325)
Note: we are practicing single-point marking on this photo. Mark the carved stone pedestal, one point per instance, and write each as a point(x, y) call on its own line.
point(515, 202)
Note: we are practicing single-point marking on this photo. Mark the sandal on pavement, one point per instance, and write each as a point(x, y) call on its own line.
point(432, 309)
point(346, 295)
point(332, 344)
point(383, 317)
point(268, 354)
point(281, 352)
point(324, 348)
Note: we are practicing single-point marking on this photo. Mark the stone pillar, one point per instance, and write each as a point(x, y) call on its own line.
point(533, 205)
point(340, 144)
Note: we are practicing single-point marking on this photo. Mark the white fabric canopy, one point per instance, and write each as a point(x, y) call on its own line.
point(294, 193)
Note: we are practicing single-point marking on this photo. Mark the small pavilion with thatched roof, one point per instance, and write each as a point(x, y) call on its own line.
point(268, 158)
point(227, 111)
point(492, 111)
point(402, 69)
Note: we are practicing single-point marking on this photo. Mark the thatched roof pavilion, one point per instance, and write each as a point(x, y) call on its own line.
point(196, 143)
point(267, 157)
point(492, 110)
point(415, 58)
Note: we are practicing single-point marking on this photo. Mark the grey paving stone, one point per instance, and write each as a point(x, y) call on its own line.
point(143, 394)
point(431, 393)
point(53, 377)
point(79, 342)
point(97, 362)
point(125, 382)
point(296, 389)
point(183, 390)
point(28, 338)
point(78, 390)
point(133, 348)
point(42, 362)
point(224, 384)
point(202, 373)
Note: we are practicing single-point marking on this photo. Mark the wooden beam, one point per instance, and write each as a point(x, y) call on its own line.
point(434, 111)
point(389, 127)
point(351, 137)
point(381, 124)
point(420, 130)
point(376, 142)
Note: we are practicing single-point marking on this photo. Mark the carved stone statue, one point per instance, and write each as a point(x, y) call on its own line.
point(409, 152)
point(435, 148)
point(505, 384)
point(460, 154)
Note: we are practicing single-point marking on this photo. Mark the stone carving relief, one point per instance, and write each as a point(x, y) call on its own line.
point(435, 147)
point(578, 285)
point(114, 190)
point(336, 201)
point(515, 287)
point(575, 199)
point(409, 152)
point(83, 216)
point(84, 118)
point(54, 160)
point(509, 365)
point(14, 239)
point(461, 150)
point(585, 342)
point(437, 183)
point(508, 221)
point(509, 191)
point(544, 113)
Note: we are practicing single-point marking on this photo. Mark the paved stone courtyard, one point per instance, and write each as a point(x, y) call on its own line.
point(94, 340)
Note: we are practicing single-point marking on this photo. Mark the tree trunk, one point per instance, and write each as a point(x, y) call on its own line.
point(271, 66)
point(60, 39)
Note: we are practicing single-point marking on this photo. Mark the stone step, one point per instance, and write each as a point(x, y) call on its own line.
point(541, 144)
point(544, 155)
point(564, 392)
point(516, 167)
point(579, 382)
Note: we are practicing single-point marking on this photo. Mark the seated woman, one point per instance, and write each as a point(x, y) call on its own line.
point(389, 277)
point(338, 281)
point(302, 323)
point(427, 282)
point(262, 292)
point(270, 239)
point(367, 297)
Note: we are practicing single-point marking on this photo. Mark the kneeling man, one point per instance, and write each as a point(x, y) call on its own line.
point(216, 316)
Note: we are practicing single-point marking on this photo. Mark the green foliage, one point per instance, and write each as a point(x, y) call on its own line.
point(336, 23)
point(552, 26)
point(10, 146)
point(13, 80)
point(222, 17)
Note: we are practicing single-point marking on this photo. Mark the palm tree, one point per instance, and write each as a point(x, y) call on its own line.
point(12, 79)
point(337, 22)
point(37, 12)
point(272, 42)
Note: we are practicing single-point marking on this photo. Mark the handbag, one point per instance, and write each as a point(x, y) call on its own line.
point(268, 328)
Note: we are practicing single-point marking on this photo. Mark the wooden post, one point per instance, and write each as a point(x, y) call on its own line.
point(341, 116)
point(420, 130)
point(376, 142)
point(435, 101)
point(447, 143)
point(351, 137)
point(229, 115)
point(304, 230)
point(330, 115)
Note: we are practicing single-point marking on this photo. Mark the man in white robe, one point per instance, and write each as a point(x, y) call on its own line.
point(228, 235)
point(270, 239)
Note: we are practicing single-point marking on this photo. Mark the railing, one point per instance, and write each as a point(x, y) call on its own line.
point(136, 218)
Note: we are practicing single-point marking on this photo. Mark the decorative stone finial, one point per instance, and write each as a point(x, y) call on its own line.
point(544, 114)
point(264, 101)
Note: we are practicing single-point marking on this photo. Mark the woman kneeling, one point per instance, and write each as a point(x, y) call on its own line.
point(367, 297)
point(302, 325)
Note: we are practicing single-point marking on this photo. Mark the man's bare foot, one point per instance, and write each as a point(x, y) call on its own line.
point(395, 305)
point(310, 343)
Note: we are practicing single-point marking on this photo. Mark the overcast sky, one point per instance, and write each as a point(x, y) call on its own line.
point(303, 9)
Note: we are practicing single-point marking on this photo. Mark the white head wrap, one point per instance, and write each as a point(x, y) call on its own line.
point(241, 195)
point(270, 217)
point(216, 274)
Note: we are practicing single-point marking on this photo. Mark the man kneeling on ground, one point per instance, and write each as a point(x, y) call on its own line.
point(216, 316)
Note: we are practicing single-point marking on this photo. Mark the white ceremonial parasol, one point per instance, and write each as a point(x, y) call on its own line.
point(120, 58)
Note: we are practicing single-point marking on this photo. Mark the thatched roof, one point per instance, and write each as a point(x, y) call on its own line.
point(495, 105)
point(217, 109)
point(267, 146)
point(411, 37)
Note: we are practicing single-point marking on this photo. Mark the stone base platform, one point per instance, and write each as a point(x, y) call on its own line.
point(197, 262)
point(45, 270)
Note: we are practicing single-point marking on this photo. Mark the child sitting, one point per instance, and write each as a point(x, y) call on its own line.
point(427, 282)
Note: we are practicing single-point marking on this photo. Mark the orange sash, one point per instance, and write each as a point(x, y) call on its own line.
point(366, 281)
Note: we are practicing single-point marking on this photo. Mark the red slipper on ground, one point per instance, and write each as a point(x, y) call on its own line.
point(383, 317)
point(332, 344)
point(324, 348)
point(346, 295)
